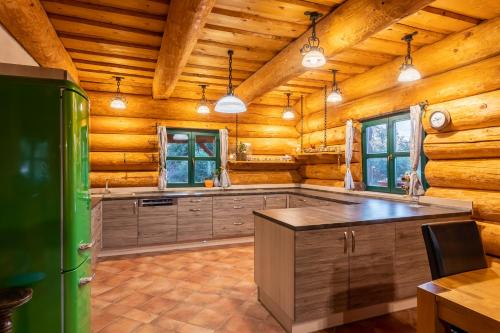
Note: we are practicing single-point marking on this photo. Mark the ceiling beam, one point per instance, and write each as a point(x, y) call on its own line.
point(349, 24)
point(27, 21)
point(185, 21)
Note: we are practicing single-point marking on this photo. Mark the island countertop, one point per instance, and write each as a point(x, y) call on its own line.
point(358, 212)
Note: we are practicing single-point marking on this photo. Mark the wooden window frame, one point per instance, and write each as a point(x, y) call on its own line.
point(191, 158)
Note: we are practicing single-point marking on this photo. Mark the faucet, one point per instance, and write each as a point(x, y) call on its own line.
point(106, 187)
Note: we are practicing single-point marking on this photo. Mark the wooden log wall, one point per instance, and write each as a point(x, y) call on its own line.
point(124, 145)
point(464, 158)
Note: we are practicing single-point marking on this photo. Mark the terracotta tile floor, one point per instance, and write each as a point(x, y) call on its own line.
point(208, 290)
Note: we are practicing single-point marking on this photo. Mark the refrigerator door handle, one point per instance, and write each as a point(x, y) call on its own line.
point(85, 280)
point(86, 246)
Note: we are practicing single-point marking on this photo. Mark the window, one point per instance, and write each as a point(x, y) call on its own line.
point(386, 153)
point(192, 157)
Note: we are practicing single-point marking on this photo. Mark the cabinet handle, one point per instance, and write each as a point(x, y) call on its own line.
point(303, 200)
point(237, 199)
point(85, 280)
point(353, 248)
point(195, 209)
point(135, 207)
point(345, 241)
point(238, 223)
point(86, 246)
point(265, 202)
point(195, 200)
point(237, 207)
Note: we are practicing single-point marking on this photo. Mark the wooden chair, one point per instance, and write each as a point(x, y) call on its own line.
point(452, 248)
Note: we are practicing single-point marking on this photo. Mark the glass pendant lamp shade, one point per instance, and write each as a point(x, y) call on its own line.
point(203, 106)
point(118, 102)
point(408, 72)
point(313, 54)
point(288, 113)
point(335, 95)
point(313, 59)
point(230, 103)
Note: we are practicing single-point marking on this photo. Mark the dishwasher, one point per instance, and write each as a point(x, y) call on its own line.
point(157, 222)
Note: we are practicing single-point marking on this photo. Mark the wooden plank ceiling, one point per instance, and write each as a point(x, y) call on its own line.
point(106, 38)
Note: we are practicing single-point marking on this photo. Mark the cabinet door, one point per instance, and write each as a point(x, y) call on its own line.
point(194, 219)
point(371, 265)
point(119, 223)
point(411, 264)
point(321, 273)
point(157, 225)
point(233, 215)
point(275, 201)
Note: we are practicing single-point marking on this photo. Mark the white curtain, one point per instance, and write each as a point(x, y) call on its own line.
point(415, 186)
point(162, 143)
point(349, 137)
point(224, 141)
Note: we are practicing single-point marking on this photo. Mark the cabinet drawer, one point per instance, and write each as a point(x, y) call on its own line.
point(195, 206)
point(238, 202)
point(119, 212)
point(119, 236)
point(275, 201)
point(301, 201)
point(233, 226)
point(194, 227)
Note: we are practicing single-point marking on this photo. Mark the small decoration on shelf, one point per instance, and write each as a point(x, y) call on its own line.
point(209, 182)
point(405, 185)
point(241, 154)
point(216, 178)
point(323, 149)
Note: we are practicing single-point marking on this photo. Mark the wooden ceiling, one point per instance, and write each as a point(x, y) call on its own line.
point(107, 38)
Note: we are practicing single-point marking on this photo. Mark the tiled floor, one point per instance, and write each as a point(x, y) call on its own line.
point(209, 290)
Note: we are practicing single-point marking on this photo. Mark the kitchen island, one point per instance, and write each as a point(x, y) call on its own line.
point(317, 267)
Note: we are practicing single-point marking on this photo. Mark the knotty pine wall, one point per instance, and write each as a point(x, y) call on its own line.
point(124, 145)
point(462, 75)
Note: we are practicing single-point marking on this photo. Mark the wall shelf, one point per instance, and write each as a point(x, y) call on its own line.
point(262, 165)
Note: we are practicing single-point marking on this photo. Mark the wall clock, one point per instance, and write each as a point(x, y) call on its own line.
point(439, 119)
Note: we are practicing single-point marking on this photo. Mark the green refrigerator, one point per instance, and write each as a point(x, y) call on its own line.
point(45, 239)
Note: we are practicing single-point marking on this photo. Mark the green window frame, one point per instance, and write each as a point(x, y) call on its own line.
point(388, 160)
point(192, 159)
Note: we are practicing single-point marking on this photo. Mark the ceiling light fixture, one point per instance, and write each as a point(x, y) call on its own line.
point(335, 95)
point(312, 52)
point(203, 107)
point(288, 113)
point(118, 102)
point(408, 72)
point(230, 103)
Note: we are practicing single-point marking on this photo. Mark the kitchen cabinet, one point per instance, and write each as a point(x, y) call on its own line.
point(119, 223)
point(157, 225)
point(275, 201)
point(297, 201)
point(371, 260)
point(96, 231)
point(233, 215)
point(194, 219)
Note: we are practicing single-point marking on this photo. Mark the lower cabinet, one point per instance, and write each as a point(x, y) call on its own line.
point(297, 201)
point(157, 225)
point(119, 223)
point(233, 215)
point(194, 219)
point(275, 201)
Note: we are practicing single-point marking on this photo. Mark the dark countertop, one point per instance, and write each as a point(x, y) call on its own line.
point(368, 210)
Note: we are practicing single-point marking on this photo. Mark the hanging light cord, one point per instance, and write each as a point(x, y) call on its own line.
point(324, 120)
point(408, 38)
point(313, 40)
point(118, 81)
point(230, 85)
point(203, 87)
point(288, 99)
point(334, 82)
point(236, 145)
point(302, 123)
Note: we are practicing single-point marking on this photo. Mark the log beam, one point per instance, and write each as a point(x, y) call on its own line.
point(351, 23)
point(185, 22)
point(460, 49)
point(27, 21)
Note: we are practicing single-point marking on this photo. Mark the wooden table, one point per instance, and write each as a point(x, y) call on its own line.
point(468, 300)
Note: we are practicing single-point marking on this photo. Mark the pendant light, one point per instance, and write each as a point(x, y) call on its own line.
point(313, 56)
point(230, 103)
point(288, 113)
point(408, 72)
point(118, 102)
point(335, 95)
point(203, 107)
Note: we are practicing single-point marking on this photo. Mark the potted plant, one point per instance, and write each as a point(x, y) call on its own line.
point(241, 154)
